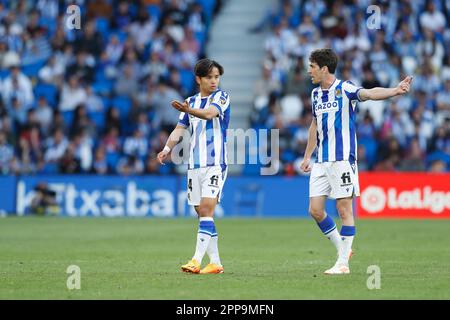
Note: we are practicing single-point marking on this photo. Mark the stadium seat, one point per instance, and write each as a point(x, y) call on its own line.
point(112, 158)
point(187, 79)
point(106, 102)
point(100, 75)
point(208, 8)
point(98, 117)
point(102, 25)
point(50, 168)
point(68, 117)
point(103, 87)
point(49, 91)
point(371, 150)
point(438, 155)
point(32, 70)
point(49, 23)
point(154, 11)
point(122, 103)
point(200, 36)
point(4, 73)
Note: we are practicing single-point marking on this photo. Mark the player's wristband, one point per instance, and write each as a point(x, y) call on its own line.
point(166, 150)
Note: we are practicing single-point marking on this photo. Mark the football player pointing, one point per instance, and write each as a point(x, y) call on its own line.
point(206, 115)
point(333, 132)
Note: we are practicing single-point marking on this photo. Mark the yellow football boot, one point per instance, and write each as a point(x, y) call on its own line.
point(191, 267)
point(212, 269)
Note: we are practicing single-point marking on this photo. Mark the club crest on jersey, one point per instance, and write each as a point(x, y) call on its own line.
point(222, 101)
point(338, 93)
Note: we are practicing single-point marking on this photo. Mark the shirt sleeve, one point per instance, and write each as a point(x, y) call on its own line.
point(313, 102)
point(351, 91)
point(221, 101)
point(184, 119)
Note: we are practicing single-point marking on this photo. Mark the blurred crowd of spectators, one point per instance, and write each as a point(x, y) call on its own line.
point(95, 99)
point(407, 133)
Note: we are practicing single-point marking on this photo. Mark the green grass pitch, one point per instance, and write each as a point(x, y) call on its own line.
point(263, 259)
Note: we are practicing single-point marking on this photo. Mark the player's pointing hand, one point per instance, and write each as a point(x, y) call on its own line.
point(161, 157)
point(182, 107)
point(404, 86)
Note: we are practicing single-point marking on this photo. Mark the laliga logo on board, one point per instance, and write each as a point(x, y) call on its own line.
point(374, 199)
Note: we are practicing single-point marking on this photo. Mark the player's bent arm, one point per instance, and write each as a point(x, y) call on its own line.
point(205, 114)
point(175, 136)
point(312, 140)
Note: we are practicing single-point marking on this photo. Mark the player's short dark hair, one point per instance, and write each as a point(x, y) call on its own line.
point(204, 66)
point(325, 57)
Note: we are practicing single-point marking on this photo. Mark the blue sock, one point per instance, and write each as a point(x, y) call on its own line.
point(347, 235)
point(348, 231)
point(206, 229)
point(327, 225)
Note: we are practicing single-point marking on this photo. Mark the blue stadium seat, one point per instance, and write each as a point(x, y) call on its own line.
point(200, 36)
point(121, 35)
point(50, 168)
point(106, 102)
point(98, 117)
point(68, 117)
point(102, 25)
point(208, 8)
point(50, 24)
point(154, 11)
point(438, 155)
point(371, 150)
point(49, 91)
point(122, 103)
point(99, 75)
point(4, 73)
point(103, 87)
point(187, 79)
point(32, 70)
point(112, 158)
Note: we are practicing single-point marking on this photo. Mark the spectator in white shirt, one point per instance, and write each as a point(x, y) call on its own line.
point(72, 95)
point(18, 84)
point(56, 146)
point(136, 144)
point(432, 18)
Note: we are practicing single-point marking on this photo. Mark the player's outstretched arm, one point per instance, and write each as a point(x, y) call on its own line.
point(172, 141)
point(386, 93)
point(205, 114)
point(310, 147)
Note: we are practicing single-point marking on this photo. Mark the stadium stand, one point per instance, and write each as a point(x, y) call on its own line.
point(410, 133)
point(77, 96)
point(89, 100)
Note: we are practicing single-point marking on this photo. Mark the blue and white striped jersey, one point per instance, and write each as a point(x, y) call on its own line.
point(208, 137)
point(335, 112)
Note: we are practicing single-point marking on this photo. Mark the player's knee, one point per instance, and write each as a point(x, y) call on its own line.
point(344, 211)
point(205, 211)
point(317, 214)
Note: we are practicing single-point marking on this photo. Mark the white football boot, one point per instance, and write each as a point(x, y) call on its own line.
point(340, 267)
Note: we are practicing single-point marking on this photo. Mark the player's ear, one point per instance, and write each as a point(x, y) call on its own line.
point(197, 79)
